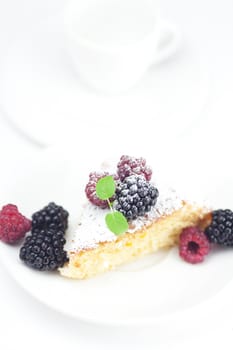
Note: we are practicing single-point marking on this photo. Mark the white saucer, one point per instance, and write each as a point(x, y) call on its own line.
point(157, 289)
point(43, 97)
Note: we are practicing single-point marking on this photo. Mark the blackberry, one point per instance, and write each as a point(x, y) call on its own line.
point(128, 166)
point(43, 250)
point(220, 230)
point(90, 189)
point(52, 216)
point(135, 196)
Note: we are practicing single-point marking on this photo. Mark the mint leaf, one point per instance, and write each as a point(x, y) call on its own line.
point(105, 187)
point(116, 222)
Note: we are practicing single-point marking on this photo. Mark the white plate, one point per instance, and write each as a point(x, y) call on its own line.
point(151, 290)
point(50, 103)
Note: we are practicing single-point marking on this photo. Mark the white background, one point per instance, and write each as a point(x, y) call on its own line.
point(26, 324)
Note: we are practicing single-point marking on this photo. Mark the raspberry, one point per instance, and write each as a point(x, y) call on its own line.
point(194, 245)
point(43, 250)
point(90, 189)
point(52, 216)
point(9, 209)
point(128, 166)
point(220, 230)
point(135, 196)
point(13, 225)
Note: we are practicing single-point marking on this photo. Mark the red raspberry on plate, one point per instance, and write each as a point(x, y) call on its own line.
point(128, 166)
point(194, 245)
point(90, 189)
point(13, 225)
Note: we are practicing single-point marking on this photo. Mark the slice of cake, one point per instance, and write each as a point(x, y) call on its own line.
point(156, 218)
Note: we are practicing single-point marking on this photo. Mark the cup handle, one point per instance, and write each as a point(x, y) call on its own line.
point(169, 42)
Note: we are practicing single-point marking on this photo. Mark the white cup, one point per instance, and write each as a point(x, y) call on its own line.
point(114, 42)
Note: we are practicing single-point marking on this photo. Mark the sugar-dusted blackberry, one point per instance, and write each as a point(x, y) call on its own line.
point(43, 250)
point(135, 196)
point(128, 166)
point(220, 231)
point(90, 189)
point(52, 216)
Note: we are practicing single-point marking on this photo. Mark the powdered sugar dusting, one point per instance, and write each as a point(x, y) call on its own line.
point(92, 229)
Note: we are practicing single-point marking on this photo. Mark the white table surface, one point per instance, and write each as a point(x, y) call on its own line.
point(26, 324)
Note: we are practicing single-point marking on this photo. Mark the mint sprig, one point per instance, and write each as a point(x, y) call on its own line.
point(115, 220)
